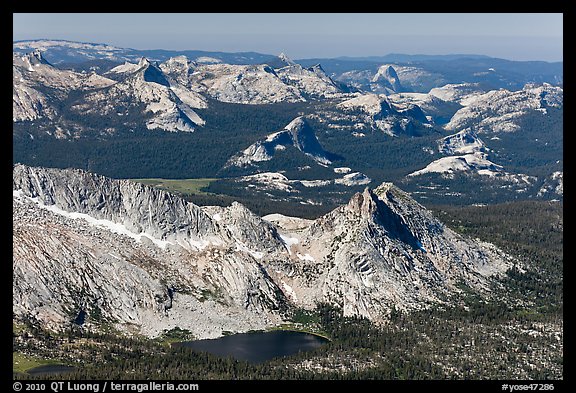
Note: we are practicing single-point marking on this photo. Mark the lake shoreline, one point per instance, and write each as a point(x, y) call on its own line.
point(257, 347)
point(300, 331)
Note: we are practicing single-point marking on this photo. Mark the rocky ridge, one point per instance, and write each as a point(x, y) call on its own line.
point(379, 112)
point(146, 261)
point(171, 106)
point(37, 84)
point(497, 110)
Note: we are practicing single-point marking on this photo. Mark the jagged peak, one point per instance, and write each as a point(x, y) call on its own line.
point(282, 56)
point(387, 189)
point(366, 203)
point(317, 68)
point(144, 62)
point(363, 203)
point(396, 213)
point(151, 72)
point(37, 55)
point(296, 124)
point(389, 70)
point(34, 58)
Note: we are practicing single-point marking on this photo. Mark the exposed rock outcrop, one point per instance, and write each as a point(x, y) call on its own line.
point(147, 260)
point(297, 133)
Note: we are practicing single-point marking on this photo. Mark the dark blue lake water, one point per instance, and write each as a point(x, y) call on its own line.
point(257, 347)
point(50, 369)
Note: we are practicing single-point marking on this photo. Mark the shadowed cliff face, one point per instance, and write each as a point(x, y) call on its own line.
point(369, 206)
point(303, 137)
point(154, 74)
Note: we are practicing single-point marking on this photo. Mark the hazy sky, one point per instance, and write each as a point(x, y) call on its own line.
point(516, 36)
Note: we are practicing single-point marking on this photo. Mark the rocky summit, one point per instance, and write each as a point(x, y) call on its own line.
point(93, 249)
point(297, 133)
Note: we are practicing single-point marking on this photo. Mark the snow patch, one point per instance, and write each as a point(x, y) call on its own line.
point(198, 244)
point(241, 247)
point(97, 222)
point(315, 183)
point(306, 257)
point(289, 291)
point(343, 169)
point(288, 242)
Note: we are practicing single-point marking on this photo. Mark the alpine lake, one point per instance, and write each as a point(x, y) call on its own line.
point(257, 347)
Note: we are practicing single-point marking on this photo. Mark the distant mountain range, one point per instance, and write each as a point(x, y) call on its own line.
point(441, 125)
point(400, 57)
point(62, 51)
point(453, 67)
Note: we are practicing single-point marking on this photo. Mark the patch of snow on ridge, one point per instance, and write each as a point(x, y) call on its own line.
point(343, 169)
point(198, 244)
point(241, 247)
point(289, 291)
point(102, 223)
point(305, 257)
point(288, 242)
